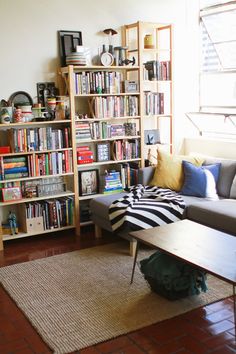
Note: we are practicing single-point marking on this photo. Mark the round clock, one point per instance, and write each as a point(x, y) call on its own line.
point(107, 59)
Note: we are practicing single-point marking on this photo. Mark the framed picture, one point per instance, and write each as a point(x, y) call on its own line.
point(152, 136)
point(131, 86)
point(68, 41)
point(88, 182)
point(103, 152)
point(11, 194)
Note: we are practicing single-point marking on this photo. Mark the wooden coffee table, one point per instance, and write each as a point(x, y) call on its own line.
point(201, 246)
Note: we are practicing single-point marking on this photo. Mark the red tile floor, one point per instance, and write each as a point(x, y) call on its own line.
point(209, 329)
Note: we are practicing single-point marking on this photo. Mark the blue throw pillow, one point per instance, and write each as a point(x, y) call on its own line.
point(200, 181)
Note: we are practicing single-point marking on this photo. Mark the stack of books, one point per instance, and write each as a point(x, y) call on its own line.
point(84, 155)
point(13, 167)
point(112, 183)
point(82, 131)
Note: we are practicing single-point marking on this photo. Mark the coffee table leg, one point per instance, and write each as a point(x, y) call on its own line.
point(234, 312)
point(134, 264)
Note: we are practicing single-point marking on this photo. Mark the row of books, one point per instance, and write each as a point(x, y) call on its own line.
point(38, 139)
point(104, 130)
point(52, 163)
point(153, 102)
point(125, 149)
point(115, 106)
point(56, 213)
point(98, 82)
point(157, 70)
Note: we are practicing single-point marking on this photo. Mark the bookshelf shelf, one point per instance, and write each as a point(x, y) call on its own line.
point(36, 177)
point(109, 94)
point(28, 234)
point(107, 119)
point(109, 162)
point(125, 137)
point(29, 200)
point(32, 124)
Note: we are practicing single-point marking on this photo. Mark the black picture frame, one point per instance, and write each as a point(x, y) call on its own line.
point(103, 152)
point(68, 40)
point(88, 182)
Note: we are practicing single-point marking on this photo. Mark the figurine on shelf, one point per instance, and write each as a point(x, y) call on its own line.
point(12, 223)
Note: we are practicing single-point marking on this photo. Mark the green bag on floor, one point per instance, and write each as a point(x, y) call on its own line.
point(172, 278)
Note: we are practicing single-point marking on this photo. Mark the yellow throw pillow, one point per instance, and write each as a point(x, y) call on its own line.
point(169, 172)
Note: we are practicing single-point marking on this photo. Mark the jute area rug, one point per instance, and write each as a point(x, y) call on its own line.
point(80, 298)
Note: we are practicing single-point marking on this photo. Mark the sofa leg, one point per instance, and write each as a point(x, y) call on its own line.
point(132, 248)
point(98, 231)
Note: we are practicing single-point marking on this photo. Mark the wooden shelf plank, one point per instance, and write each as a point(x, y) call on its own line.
point(24, 234)
point(29, 124)
point(35, 199)
point(110, 139)
point(34, 152)
point(65, 70)
point(106, 119)
point(35, 177)
point(108, 94)
point(106, 163)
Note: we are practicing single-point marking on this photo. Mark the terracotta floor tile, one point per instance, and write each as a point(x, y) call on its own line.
point(114, 344)
point(193, 345)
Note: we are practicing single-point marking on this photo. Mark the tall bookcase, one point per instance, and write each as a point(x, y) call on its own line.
point(37, 177)
point(151, 46)
point(105, 115)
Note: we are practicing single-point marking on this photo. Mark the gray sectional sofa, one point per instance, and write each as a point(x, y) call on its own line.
point(219, 214)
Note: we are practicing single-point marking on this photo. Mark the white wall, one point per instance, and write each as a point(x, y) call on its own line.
point(29, 45)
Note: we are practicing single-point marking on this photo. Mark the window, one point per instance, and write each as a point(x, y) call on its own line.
point(218, 70)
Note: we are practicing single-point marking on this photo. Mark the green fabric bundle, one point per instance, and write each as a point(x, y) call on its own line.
point(171, 277)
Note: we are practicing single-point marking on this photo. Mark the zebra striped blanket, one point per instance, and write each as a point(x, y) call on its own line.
point(145, 207)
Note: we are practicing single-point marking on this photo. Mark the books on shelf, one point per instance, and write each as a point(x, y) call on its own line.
point(98, 82)
point(153, 103)
point(56, 213)
point(157, 70)
point(38, 139)
point(112, 182)
point(115, 106)
point(125, 149)
point(13, 167)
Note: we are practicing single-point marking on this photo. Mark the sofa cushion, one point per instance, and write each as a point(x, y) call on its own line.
point(169, 170)
point(219, 214)
point(100, 206)
point(200, 181)
point(233, 189)
point(227, 173)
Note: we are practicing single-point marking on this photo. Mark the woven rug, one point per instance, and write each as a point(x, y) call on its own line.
point(80, 298)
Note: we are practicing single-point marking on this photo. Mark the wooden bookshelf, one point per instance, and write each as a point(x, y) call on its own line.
point(50, 176)
point(160, 53)
point(79, 83)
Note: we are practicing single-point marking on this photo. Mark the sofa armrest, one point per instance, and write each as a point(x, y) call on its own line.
point(145, 175)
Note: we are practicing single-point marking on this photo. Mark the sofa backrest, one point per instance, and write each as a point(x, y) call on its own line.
point(227, 175)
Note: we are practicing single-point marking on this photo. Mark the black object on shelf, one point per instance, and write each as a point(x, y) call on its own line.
point(68, 40)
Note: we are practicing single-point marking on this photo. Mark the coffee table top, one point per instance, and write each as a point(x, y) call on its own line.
point(199, 245)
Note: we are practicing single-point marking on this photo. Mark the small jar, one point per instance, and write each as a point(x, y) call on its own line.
point(148, 41)
point(18, 116)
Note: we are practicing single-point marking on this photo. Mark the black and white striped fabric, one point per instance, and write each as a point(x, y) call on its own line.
point(145, 207)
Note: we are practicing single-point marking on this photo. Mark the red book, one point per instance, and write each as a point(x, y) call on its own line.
point(5, 149)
